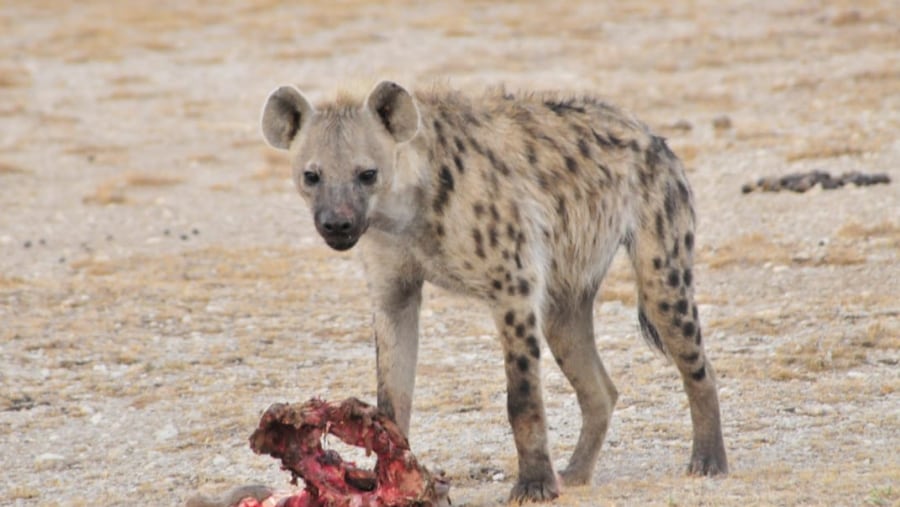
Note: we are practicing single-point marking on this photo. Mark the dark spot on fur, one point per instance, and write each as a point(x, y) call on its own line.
point(533, 349)
point(531, 153)
point(675, 250)
point(497, 163)
point(687, 277)
point(520, 330)
point(524, 287)
point(601, 141)
point(531, 320)
point(479, 243)
point(690, 358)
point(660, 225)
point(439, 229)
point(445, 188)
point(476, 146)
point(571, 165)
point(561, 209)
point(684, 192)
point(674, 278)
point(517, 403)
point(699, 374)
point(494, 213)
point(511, 231)
point(524, 388)
point(509, 318)
point(681, 306)
point(460, 146)
point(493, 236)
point(605, 170)
point(689, 241)
point(561, 107)
point(470, 118)
point(657, 263)
point(459, 164)
point(699, 338)
point(439, 132)
point(497, 285)
point(478, 208)
point(583, 148)
point(518, 261)
point(694, 311)
point(669, 203)
point(688, 329)
point(522, 363)
point(664, 306)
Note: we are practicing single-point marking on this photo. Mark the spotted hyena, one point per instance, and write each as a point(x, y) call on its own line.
point(519, 201)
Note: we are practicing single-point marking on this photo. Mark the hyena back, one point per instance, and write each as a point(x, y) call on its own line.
point(522, 202)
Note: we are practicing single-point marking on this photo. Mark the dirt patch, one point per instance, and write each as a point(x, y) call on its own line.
point(161, 283)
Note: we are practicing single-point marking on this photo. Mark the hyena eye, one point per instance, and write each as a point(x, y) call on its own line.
point(368, 177)
point(310, 178)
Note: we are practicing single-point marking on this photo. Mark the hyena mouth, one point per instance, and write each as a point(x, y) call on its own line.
point(341, 242)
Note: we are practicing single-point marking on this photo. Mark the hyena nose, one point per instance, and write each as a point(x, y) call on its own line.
point(337, 226)
point(335, 223)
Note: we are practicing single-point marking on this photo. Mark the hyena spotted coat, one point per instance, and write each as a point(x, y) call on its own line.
point(521, 202)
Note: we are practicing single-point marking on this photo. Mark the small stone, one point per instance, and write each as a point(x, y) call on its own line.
point(682, 125)
point(722, 122)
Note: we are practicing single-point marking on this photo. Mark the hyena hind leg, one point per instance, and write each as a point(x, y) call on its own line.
point(570, 335)
point(670, 322)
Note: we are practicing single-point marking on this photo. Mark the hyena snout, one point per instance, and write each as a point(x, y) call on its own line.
point(339, 227)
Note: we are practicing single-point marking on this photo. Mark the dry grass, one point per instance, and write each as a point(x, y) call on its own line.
point(14, 77)
point(114, 190)
point(818, 354)
point(885, 229)
point(10, 168)
point(749, 249)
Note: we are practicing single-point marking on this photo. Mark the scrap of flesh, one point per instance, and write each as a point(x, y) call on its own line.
point(293, 433)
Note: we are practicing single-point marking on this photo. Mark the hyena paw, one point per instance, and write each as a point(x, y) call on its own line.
point(575, 476)
point(534, 491)
point(713, 464)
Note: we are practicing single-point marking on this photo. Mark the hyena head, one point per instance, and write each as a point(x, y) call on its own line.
point(342, 154)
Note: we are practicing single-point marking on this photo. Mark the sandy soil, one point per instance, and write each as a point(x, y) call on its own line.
point(160, 282)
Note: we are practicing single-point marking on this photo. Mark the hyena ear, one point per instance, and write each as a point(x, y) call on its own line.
point(394, 107)
point(285, 110)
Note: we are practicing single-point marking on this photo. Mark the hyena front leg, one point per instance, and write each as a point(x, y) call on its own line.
point(663, 256)
point(395, 283)
point(569, 326)
point(521, 337)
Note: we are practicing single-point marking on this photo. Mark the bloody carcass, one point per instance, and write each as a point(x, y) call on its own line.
point(293, 433)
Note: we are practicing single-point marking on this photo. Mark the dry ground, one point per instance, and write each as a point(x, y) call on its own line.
point(160, 283)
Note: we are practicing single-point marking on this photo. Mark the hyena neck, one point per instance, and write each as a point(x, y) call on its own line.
point(398, 210)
